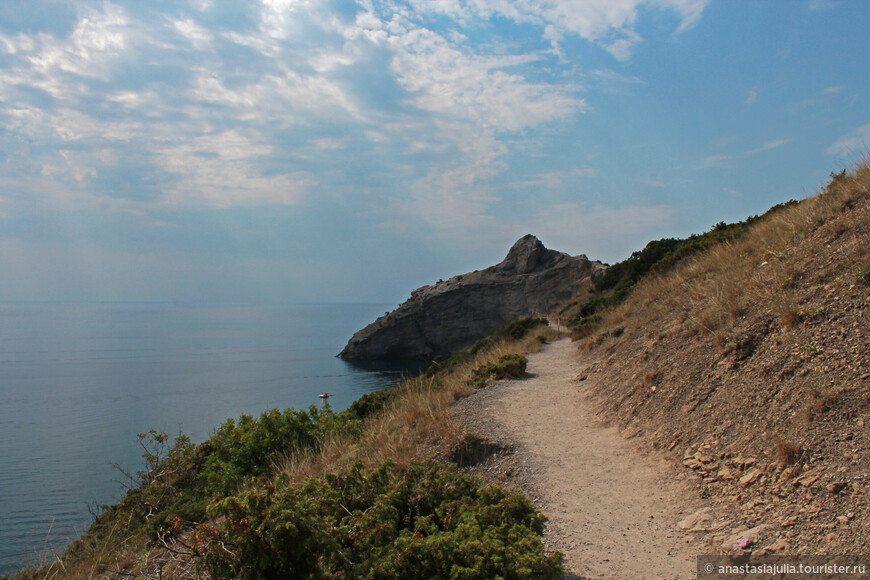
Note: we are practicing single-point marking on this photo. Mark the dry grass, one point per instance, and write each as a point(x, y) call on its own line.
point(417, 426)
point(787, 453)
point(716, 287)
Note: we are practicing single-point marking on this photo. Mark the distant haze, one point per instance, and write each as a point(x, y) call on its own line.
point(319, 150)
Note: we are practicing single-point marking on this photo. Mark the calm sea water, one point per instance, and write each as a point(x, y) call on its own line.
point(79, 381)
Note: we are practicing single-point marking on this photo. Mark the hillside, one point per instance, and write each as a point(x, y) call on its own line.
point(749, 365)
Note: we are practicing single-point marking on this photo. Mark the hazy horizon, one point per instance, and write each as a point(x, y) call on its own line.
point(351, 151)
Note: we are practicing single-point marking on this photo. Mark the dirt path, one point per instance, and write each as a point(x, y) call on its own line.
point(612, 510)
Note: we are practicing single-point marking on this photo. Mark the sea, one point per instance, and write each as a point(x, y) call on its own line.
point(79, 381)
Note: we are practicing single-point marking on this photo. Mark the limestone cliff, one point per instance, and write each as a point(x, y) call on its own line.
point(448, 316)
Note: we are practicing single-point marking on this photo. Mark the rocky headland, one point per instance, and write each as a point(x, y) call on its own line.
point(451, 315)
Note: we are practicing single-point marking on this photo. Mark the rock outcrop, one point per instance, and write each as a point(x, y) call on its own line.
point(451, 315)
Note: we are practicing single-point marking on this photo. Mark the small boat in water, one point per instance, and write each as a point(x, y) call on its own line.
point(324, 395)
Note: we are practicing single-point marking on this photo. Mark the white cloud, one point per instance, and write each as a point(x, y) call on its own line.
point(752, 97)
point(720, 160)
point(715, 160)
point(217, 126)
point(819, 5)
point(288, 98)
point(452, 196)
point(649, 181)
point(610, 23)
point(555, 179)
point(199, 37)
point(853, 142)
point(443, 79)
point(98, 39)
point(770, 145)
point(221, 170)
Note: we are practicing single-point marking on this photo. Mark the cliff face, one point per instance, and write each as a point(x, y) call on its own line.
point(446, 317)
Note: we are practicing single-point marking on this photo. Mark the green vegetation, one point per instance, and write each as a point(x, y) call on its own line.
point(508, 366)
point(180, 479)
point(377, 523)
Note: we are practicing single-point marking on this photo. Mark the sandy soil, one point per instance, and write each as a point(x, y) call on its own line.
point(612, 510)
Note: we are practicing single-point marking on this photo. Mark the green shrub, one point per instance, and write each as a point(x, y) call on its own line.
point(179, 479)
point(378, 523)
point(371, 403)
point(508, 366)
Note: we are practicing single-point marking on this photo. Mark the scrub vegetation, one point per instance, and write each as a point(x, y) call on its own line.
point(365, 493)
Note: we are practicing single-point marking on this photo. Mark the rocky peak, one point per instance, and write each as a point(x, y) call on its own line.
point(524, 256)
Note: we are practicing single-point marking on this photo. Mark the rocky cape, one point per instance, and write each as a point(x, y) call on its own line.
point(451, 315)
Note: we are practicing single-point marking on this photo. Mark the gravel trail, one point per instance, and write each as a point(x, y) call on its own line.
point(612, 510)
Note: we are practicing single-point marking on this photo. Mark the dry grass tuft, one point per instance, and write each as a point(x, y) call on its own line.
point(817, 403)
point(787, 453)
point(713, 289)
point(417, 426)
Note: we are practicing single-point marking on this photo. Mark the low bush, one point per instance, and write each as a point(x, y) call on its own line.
point(371, 403)
point(377, 523)
point(508, 366)
point(179, 479)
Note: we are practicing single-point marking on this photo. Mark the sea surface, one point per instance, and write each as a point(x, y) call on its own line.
point(79, 381)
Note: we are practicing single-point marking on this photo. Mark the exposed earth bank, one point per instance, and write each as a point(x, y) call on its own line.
point(613, 510)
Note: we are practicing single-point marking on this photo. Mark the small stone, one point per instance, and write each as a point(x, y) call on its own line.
point(726, 473)
point(779, 545)
point(746, 537)
point(807, 479)
point(750, 478)
point(790, 521)
point(700, 518)
point(741, 544)
point(835, 487)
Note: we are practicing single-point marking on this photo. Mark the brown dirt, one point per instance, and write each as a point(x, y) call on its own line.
point(612, 510)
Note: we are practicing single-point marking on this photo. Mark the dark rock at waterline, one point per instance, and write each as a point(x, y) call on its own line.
point(451, 315)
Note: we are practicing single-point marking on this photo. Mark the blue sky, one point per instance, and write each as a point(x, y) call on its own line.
point(320, 150)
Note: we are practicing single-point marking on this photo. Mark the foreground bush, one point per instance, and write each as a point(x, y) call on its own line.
point(508, 366)
point(179, 479)
point(378, 523)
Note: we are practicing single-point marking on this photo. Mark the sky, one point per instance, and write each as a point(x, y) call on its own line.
point(341, 150)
